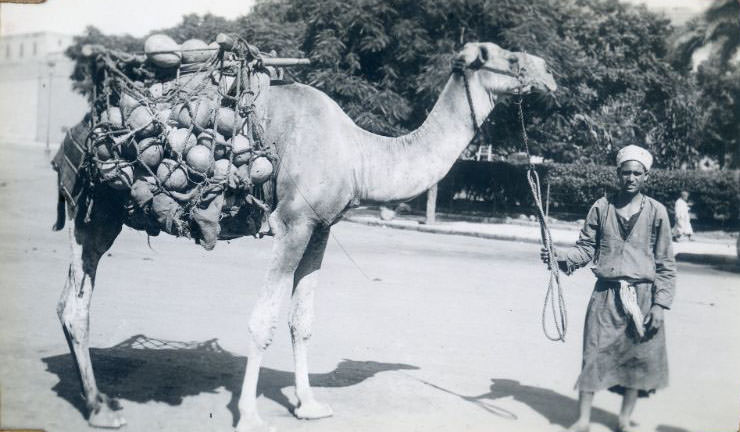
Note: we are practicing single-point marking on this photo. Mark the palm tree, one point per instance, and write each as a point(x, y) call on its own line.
point(717, 30)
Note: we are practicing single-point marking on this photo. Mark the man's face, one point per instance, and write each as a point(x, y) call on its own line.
point(632, 176)
point(685, 195)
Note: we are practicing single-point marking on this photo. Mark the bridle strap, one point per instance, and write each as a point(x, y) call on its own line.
point(461, 70)
point(506, 72)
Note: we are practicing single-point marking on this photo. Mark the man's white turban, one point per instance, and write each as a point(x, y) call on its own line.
point(635, 153)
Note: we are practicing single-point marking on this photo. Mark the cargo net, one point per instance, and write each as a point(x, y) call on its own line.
point(182, 130)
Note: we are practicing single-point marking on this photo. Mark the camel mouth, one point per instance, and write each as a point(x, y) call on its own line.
point(537, 75)
point(546, 86)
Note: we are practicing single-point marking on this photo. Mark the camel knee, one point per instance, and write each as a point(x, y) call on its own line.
point(75, 321)
point(72, 311)
point(262, 326)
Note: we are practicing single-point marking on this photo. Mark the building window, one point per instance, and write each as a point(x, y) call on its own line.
point(59, 42)
point(7, 51)
point(35, 48)
point(20, 51)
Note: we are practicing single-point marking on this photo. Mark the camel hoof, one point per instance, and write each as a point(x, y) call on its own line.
point(312, 411)
point(105, 417)
point(254, 425)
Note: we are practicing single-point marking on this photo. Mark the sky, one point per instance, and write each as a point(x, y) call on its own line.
point(136, 17)
point(139, 17)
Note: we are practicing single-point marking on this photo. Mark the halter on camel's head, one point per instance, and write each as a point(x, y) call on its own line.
point(502, 71)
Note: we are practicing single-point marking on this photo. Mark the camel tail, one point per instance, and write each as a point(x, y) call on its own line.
point(61, 213)
point(67, 163)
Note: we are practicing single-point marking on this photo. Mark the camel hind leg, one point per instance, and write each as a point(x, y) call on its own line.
point(88, 243)
point(301, 319)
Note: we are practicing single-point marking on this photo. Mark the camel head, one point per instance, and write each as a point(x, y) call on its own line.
point(502, 71)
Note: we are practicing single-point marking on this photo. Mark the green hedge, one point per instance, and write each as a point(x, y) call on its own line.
point(500, 187)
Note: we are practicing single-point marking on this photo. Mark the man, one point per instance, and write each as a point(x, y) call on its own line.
point(683, 220)
point(628, 237)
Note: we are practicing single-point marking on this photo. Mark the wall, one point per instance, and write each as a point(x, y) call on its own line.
point(34, 72)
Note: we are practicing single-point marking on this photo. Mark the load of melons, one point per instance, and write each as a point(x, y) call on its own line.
point(184, 144)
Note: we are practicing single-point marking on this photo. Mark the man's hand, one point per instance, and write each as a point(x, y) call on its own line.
point(653, 321)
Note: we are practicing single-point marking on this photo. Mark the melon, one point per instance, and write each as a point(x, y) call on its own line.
point(162, 51)
point(102, 151)
point(222, 170)
point(260, 170)
point(172, 175)
point(119, 177)
point(142, 191)
point(206, 138)
point(142, 121)
point(128, 103)
point(199, 159)
point(163, 115)
point(113, 116)
point(151, 152)
point(241, 148)
point(180, 141)
point(225, 121)
point(156, 90)
point(198, 111)
point(192, 52)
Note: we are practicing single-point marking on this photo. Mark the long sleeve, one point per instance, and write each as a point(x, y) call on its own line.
point(665, 263)
point(586, 246)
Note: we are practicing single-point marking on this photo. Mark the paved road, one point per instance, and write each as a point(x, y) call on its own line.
point(440, 333)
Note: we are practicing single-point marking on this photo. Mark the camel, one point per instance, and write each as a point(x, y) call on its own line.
point(327, 165)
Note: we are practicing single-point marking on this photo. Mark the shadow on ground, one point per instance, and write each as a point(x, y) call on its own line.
point(143, 369)
point(558, 409)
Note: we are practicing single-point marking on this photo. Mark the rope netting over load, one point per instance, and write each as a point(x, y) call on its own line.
point(181, 127)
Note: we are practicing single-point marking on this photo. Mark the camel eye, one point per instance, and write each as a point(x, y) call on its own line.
point(484, 54)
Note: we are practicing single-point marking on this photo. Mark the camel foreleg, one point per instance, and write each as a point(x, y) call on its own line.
point(301, 320)
point(290, 243)
point(73, 309)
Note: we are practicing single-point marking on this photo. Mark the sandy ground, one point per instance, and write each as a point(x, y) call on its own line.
point(440, 333)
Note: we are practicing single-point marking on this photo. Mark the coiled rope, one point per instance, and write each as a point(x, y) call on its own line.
point(554, 294)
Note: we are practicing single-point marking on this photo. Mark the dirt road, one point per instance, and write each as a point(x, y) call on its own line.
point(440, 333)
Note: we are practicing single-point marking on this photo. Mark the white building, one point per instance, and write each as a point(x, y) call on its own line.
point(37, 102)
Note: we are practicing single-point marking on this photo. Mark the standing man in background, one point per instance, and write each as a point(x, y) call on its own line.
point(683, 220)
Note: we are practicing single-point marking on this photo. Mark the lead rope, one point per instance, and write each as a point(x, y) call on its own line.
point(554, 295)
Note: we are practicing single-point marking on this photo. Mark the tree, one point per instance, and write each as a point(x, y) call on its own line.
point(717, 77)
point(718, 29)
point(386, 62)
point(609, 59)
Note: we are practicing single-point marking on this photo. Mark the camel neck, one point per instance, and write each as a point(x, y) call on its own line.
point(397, 169)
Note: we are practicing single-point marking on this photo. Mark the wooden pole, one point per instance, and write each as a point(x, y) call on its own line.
point(431, 205)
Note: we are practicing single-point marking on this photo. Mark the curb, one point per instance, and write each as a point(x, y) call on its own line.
point(446, 231)
point(696, 258)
